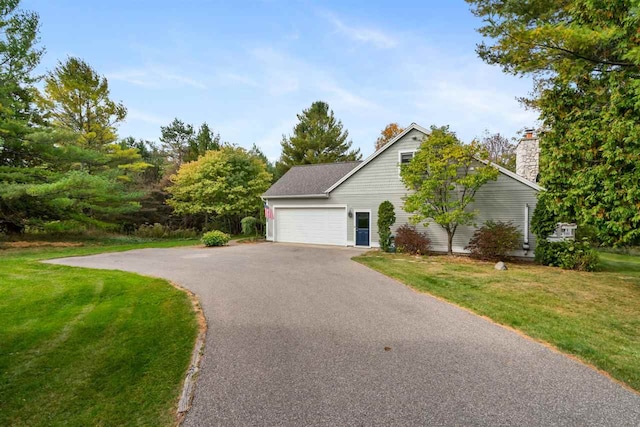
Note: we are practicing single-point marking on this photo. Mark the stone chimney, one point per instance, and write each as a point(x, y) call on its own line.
point(528, 156)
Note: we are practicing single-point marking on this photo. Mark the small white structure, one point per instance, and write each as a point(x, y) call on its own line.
point(564, 231)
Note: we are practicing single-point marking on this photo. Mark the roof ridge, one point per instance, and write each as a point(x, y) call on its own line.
point(325, 164)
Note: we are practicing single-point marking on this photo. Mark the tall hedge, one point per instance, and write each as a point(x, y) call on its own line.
point(386, 218)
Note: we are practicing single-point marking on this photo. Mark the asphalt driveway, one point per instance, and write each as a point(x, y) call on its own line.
point(302, 335)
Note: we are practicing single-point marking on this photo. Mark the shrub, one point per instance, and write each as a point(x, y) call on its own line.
point(249, 226)
point(567, 254)
point(494, 240)
point(386, 218)
point(411, 241)
point(588, 233)
point(149, 231)
point(64, 227)
point(159, 231)
point(543, 220)
point(215, 238)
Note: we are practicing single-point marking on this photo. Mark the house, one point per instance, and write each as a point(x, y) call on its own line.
point(337, 203)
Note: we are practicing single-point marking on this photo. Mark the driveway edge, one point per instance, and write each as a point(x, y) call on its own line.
point(509, 328)
point(188, 386)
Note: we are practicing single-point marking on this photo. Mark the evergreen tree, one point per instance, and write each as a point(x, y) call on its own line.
point(585, 58)
point(205, 140)
point(77, 98)
point(177, 140)
point(19, 55)
point(257, 152)
point(317, 138)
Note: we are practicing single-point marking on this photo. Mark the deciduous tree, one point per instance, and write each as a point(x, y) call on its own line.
point(443, 177)
point(501, 150)
point(585, 58)
point(387, 134)
point(226, 182)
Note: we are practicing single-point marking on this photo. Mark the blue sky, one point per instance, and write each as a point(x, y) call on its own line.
point(247, 68)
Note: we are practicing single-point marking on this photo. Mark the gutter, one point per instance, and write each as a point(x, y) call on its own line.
point(298, 196)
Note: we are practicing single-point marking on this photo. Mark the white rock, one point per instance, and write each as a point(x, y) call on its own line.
point(500, 266)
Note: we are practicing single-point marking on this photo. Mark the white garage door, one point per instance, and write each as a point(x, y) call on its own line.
point(322, 226)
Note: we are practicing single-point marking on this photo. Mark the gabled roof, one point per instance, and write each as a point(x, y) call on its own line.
point(309, 180)
point(415, 126)
point(412, 126)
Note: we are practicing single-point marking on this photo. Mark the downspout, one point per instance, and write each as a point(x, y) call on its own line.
point(525, 244)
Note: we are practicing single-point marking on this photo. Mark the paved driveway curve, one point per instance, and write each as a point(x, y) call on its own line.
point(297, 336)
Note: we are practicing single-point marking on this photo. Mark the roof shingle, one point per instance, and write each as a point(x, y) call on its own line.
point(306, 180)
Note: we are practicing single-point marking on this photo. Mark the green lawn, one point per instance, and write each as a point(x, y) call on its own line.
point(90, 347)
point(595, 316)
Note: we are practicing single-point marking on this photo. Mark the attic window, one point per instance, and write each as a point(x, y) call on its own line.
point(406, 156)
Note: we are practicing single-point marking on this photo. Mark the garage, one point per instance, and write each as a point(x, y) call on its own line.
point(317, 225)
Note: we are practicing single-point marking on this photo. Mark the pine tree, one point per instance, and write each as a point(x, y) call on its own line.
point(77, 98)
point(317, 138)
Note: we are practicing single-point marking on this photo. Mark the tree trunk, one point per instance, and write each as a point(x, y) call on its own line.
point(449, 242)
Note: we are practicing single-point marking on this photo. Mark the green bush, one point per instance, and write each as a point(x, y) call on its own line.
point(588, 233)
point(410, 241)
point(64, 227)
point(494, 240)
point(249, 226)
point(567, 254)
point(386, 218)
point(215, 238)
point(543, 220)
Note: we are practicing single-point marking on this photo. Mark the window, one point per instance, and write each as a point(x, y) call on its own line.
point(404, 157)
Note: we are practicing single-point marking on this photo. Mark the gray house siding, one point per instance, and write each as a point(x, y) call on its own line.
point(377, 181)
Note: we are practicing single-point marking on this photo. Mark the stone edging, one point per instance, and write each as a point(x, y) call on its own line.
point(188, 387)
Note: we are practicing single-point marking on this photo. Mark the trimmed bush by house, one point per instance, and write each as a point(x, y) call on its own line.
point(249, 226)
point(494, 240)
point(567, 254)
point(215, 238)
point(411, 241)
point(386, 218)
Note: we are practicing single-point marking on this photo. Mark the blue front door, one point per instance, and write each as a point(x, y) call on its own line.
point(362, 228)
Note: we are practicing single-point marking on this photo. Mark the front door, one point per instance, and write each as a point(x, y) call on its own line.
point(363, 220)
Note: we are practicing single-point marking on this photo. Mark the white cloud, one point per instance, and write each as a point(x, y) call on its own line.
point(286, 75)
point(141, 116)
point(155, 76)
point(376, 37)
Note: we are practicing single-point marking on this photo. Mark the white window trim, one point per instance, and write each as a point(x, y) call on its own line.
point(400, 153)
point(346, 216)
point(355, 227)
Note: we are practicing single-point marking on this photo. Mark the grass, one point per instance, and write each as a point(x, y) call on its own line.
point(594, 316)
point(90, 347)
